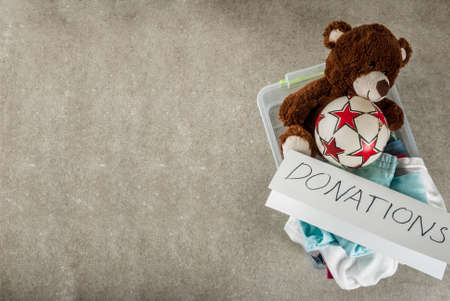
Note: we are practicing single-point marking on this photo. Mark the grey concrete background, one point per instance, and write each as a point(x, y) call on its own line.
point(134, 163)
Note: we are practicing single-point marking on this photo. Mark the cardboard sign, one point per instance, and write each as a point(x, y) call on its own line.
point(362, 211)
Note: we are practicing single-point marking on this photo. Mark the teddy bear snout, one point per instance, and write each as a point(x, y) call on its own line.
point(383, 87)
point(374, 86)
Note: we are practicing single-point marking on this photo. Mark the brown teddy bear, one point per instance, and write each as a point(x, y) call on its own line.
point(363, 61)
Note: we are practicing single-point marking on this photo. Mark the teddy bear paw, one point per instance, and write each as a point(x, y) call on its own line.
point(298, 144)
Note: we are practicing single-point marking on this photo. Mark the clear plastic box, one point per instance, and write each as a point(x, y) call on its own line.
point(270, 98)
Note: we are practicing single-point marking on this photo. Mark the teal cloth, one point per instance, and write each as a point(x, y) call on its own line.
point(412, 185)
point(382, 172)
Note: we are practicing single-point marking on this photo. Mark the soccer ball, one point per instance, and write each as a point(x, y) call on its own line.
point(351, 131)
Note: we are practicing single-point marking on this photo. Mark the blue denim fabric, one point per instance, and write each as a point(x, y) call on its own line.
point(396, 147)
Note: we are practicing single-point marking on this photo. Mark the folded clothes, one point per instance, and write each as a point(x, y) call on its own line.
point(349, 272)
point(411, 177)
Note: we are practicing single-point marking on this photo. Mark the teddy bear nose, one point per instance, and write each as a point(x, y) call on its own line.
point(383, 87)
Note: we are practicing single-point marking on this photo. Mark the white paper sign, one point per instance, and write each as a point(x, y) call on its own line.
point(362, 211)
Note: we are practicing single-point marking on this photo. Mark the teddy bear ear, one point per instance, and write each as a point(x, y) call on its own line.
point(406, 51)
point(333, 32)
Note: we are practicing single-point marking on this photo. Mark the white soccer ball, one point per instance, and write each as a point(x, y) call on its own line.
point(351, 131)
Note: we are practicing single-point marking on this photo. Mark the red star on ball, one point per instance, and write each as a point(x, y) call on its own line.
point(367, 149)
point(378, 114)
point(319, 118)
point(331, 149)
point(345, 117)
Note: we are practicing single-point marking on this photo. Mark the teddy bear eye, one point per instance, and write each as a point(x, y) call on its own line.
point(372, 64)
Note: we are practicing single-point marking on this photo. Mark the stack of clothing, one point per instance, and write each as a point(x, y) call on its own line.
point(353, 265)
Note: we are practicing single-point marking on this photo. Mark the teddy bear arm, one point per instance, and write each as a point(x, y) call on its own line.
point(297, 106)
point(392, 112)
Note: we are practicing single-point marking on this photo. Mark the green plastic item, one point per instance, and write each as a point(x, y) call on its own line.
point(284, 83)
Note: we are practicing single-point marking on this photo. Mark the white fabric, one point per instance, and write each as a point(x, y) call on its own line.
point(353, 272)
point(349, 272)
point(292, 230)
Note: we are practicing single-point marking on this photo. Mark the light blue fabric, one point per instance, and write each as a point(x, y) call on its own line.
point(352, 249)
point(316, 238)
point(382, 172)
point(412, 185)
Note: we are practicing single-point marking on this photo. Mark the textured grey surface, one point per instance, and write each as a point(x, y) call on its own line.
point(134, 163)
